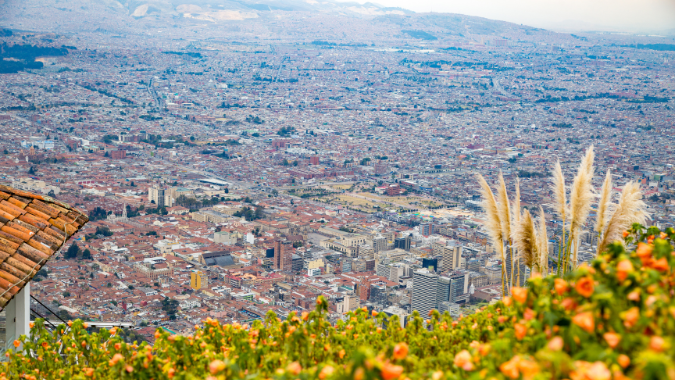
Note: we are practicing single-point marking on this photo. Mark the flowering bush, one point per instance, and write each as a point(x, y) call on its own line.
point(614, 319)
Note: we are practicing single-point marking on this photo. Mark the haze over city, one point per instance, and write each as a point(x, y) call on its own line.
point(225, 159)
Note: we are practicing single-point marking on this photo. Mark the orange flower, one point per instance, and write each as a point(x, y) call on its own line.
point(17, 343)
point(612, 339)
point(216, 366)
point(510, 368)
point(31, 325)
point(624, 268)
point(375, 313)
point(391, 372)
point(359, 374)
point(560, 286)
point(305, 316)
point(341, 354)
point(623, 360)
point(463, 360)
point(625, 234)
point(661, 265)
point(529, 314)
point(400, 351)
point(644, 252)
point(521, 331)
point(507, 301)
point(88, 372)
point(585, 320)
point(118, 346)
point(528, 368)
point(116, 358)
point(585, 286)
point(294, 368)
point(656, 343)
point(325, 372)
point(172, 373)
point(519, 294)
point(631, 316)
point(569, 304)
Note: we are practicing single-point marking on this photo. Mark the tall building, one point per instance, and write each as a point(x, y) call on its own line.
point(459, 286)
point(314, 160)
point(425, 285)
point(451, 254)
point(160, 197)
point(426, 229)
point(443, 288)
point(283, 256)
point(198, 280)
point(380, 243)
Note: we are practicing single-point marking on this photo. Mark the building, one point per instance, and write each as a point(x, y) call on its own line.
point(403, 242)
point(425, 285)
point(198, 280)
point(283, 259)
point(118, 154)
point(159, 197)
point(314, 160)
point(451, 254)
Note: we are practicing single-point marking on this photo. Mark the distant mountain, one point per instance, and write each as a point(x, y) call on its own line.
point(288, 20)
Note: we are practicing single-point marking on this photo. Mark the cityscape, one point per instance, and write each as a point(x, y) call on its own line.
point(240, 159)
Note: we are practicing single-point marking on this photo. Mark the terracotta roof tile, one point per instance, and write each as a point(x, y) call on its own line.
point(32, 228)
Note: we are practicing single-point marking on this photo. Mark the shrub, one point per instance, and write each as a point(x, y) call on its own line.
point(612, 319)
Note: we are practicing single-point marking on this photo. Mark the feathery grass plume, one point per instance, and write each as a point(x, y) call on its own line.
point(525, 240)
point(515, 206)
point(492, 221)
point(580, 198)
point(560, 192)
point(504, 208)
point(542, 241)
point(604, 204)
point(631, 209)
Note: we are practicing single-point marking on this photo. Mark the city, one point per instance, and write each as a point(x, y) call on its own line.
point(266, 160)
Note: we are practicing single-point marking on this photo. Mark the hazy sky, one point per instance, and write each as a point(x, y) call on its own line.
point(619, 15)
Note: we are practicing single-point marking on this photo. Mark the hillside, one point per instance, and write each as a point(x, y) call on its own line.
point(273, 20)
point(613, 319)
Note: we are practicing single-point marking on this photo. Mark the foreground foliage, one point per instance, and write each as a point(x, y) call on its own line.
point(614, 319)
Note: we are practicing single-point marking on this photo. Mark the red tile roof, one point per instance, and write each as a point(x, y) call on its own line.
point(32, 228)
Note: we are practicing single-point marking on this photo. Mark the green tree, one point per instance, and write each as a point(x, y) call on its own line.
point(72, 251)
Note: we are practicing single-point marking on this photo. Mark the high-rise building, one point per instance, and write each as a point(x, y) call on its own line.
point(380, 243)
point(443, 288)
point(459, 286)
point(430, 263)
point(198, 280)
point(160, 197)
point(314, 160)
point(425, 229)
point(283, 256)
point(424, 290)
point(451, 254)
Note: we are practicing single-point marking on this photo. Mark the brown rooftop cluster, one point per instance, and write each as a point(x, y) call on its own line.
point(32, 229)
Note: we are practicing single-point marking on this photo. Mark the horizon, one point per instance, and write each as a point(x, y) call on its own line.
point(626, 16)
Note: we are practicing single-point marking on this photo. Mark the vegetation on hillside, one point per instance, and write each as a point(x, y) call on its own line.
point(614, 319)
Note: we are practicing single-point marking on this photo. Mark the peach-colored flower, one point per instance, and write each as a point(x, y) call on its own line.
point(400, 351)
point(294, 368)
point(463, 360)
point(528, 368)
point(634, 295)
point(585, 320)
point(325, 372)
point(644, 251)
point(590, 371)
point(631, 316)
point(507, 301)
point(510, 368)
point(624, 268)
point(657, 343)
point(585, 286)
point(612, 339)
point(519, 294)
point(529, 314)
point(569, 304)
point(560, 286)
point(556, 344)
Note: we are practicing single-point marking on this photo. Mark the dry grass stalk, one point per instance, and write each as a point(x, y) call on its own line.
point(604, 205)
point(493, 223)
point(560, 192)
point(504, 208)
point(580, 198)
point(542, 240)
point(631, 209)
